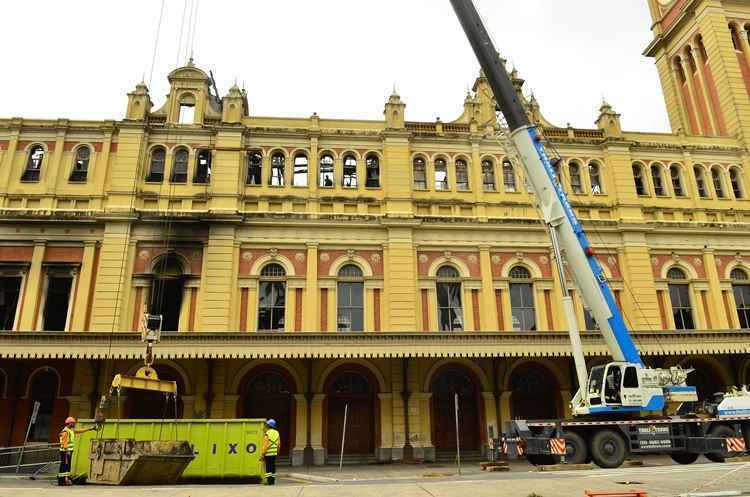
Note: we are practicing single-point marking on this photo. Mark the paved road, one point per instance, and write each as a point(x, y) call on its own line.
point(657, 480)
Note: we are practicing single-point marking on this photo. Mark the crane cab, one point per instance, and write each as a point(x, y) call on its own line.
point(622, 387)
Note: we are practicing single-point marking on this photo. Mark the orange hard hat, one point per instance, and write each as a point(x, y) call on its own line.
point(70, 420)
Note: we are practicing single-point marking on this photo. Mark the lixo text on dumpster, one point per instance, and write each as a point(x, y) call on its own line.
point(231, 448)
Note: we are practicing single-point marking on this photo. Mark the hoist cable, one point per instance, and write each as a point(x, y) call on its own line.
point(195, 27)
point(156, 43)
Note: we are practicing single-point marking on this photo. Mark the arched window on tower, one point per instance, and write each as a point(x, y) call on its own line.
point(33, 164)
point(350, 294)
point(718, 181)
point(522, 299)
point(278, 170)
point(675, 174)
point(700, 181)
point(254, 168)
point(180, 166)
point(372, 170)
point(657, 177)
point(80, 170)
point(420, 174)
point(462, 175)
point(350, 172)
point(679, 294)
point(595, 178)
point(272, 298)
point(327, 171)
point(576, 184)
point(450, 310)
point(156, 165)
point(639, 180)
point(735, 178)
point(509, 177)
point(441, 175)
point(488, 175)
point(741, 290)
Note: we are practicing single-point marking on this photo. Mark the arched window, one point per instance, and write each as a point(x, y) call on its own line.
point(509, 177)
point(718, 182)
point(202, 173)
point(555, 163)
point(639, 180)
point(488, 175)
point(741, 290)
point(80, 165)
point(43, 389)
point(33, 164)
point(167, 288)
point(595, 178)
point(420, 174)
point(326, 171)
point(180, 166)
point(350, 172)
point(462, 175)
point(735, 178)
point(679, 294)
point(700, 181)
point(658, 180)
point(441, 174)
point(156, 165)
point(278, 170)
point(450, 310)
point(300, 170)
point(272, 298)
point(576, 185)
point(350, 292)
point(522, 299)
point(254, 168)
point(187, 110)
point(372, 166)
point(676, 177)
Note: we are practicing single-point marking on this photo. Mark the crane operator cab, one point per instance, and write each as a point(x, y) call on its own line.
point(629, 387)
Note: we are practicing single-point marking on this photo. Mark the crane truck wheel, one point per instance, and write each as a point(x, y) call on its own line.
point(608, 449)
point(720, 431)
point(576, 449)
point(684, 457)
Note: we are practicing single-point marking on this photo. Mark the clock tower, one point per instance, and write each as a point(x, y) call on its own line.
point(702, 52)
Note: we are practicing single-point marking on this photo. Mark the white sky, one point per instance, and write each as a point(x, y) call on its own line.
point(340, 58)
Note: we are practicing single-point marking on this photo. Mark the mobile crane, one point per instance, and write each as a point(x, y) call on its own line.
point(611, 403)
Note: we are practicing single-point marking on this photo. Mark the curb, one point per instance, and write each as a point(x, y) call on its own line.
point(313, 478)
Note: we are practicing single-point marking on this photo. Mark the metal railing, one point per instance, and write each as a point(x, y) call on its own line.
point(32, 458)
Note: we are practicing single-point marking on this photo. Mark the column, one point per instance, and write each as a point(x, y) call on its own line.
point(85, 280)
point(423, 399)
point(687, 71)
point(488, 307)
point(230, 406)
point(744, 44)
point(384, 451)
point(504, 287)
point(10, 154)
point(635, 263)
point(300, 430)
point(565, 399)
point(505, 411)
point(32, 289)
point(55, 168)
point(219, 281)
point(310, 311)
point(715, 301)
point(112, 278)
point(700, 66)
point(401, 279)
point(490, 417)
point(316, 437)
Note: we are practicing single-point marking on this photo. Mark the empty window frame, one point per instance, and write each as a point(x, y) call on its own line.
point(657, 177)
point(372, 170)
point(576, 183)
point(488, 176)
point(350, 295)
point(700, 181)
point(675, 175)
point(272, 298)
point(595, 178)
point(57, 300)
point(462, 175)
point(420, 174)
point(327, 172)
point(718, 182)
point(180, 166)
point(202, 167)
point(33, 164)
point(522, 299)
point(638, 180)
point(278, 166)
point(80, 170)
point(156, 165)
point(186, 110)
point(441, 175)
point(10, 291)
point(509, 177)
point(350, 172)
point(254, 168)
point(735, 178)
point(679, 294)
point(450, 310)
point(589, 321)
point(299, 177)
point(741, 290)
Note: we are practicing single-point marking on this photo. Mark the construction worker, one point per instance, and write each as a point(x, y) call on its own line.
point(67, 445)
point(271, 446)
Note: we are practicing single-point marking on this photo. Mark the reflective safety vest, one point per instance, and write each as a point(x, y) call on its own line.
point(274, 441)
point(67, 440)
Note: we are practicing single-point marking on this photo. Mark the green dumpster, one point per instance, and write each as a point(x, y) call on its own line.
point(223, 448)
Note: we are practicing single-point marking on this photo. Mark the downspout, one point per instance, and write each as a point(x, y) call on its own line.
point(308, 458)
point(405, 396)
point(209, 395)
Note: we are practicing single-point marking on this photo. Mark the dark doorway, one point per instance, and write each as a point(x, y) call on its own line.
point(142, 404)
point(704, 379)
point(166, 292)
point(268, 395)
point(351, 390)
point(57, 302)
point(44, 387)
point(535, 393)
point(446, 384)
point(10, 290)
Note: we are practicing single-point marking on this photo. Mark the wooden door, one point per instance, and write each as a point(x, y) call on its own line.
point(268, 397)
point(351, 391)
point(446, 385)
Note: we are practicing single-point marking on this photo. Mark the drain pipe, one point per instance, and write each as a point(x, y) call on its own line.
point(209, 395)
point(405, 396)
point(308, 457)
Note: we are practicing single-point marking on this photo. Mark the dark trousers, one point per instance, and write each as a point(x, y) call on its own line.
point(65, 458)
point(270, 469)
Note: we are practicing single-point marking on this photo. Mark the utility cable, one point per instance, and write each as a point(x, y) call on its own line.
point(189, 26)
point(156, 43)
point(182, 27)
point(195, 26)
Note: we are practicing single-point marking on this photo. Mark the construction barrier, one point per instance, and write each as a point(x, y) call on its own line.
point(224, 449)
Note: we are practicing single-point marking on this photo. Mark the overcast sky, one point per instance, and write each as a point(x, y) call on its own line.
point(339, 58)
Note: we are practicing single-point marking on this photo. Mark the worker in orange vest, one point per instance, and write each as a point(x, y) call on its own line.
point(67, 445)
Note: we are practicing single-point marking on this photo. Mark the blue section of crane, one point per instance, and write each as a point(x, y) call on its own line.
point(655, 403)
point(616, 322)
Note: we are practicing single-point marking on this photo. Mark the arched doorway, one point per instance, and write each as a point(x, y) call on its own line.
point(267, 393)
point(446, 384)
point(535, 393)
point(705, 379)
point(44, 388)
point(351, 389)
point(141, 404)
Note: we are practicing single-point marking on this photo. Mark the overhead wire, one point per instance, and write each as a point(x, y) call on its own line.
point(182, 27)
point(156, 43)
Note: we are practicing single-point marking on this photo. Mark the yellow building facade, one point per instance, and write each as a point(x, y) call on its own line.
point(308, 266)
